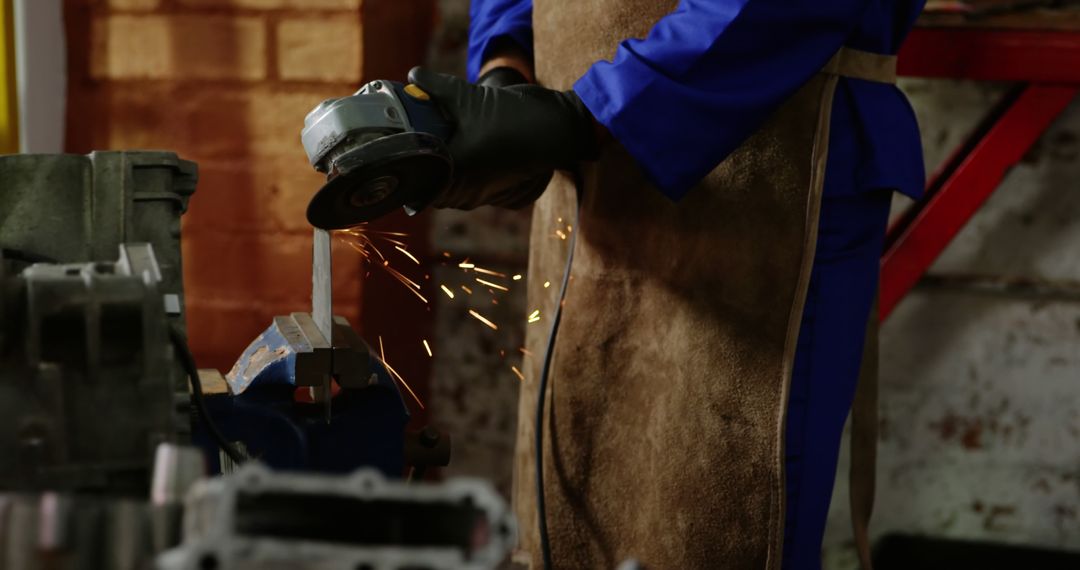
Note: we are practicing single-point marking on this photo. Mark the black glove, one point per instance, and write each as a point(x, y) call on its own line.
point(502, 77)
point(506, 139)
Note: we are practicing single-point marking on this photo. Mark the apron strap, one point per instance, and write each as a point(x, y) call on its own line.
point(858, 64)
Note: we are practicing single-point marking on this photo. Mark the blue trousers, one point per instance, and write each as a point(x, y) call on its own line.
point(842, 288)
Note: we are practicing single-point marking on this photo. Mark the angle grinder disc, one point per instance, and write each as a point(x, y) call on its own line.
point(378, 177)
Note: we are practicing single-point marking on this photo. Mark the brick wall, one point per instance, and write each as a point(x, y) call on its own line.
point(227, 83)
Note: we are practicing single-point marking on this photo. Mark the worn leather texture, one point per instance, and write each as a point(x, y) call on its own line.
point(663, 438)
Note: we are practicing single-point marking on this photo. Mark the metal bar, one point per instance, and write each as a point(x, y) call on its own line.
point(1037, 56)
point(322, 306)
point(961, 187)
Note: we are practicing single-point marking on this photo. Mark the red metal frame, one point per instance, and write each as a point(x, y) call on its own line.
point(1048, 64)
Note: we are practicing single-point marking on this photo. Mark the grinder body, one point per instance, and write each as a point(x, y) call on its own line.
point(382, 148)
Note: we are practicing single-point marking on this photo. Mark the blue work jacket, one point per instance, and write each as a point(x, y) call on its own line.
point(710, 73)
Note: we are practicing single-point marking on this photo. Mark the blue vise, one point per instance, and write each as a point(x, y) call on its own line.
point(269, 412)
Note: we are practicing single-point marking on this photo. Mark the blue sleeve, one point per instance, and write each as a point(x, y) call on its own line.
point(707, 76)
point(491, 20)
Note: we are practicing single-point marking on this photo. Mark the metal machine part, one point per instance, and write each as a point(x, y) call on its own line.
point(70, 531)
point(256, 518)
point(381, 148)
point(80, 342)
point(80, 208)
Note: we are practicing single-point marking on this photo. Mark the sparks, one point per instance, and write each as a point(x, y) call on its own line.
point(547, 284)
point(362, 241)
point(560, 234)
point(518, 372)
point(407, 254)
point(517, 277)
point(534, 314)
point(492, 285)
point(466, 289)
point(466, 265)
point(393, 373)
point(447, 290)
point(525, 351)
point(427, 347)
point(481, 318)
point(488, 272)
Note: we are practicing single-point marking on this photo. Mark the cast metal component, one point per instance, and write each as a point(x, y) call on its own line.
point(428, 447)
point(70, 531)
point(84, 341)
point(80, 208)
point(259, 519)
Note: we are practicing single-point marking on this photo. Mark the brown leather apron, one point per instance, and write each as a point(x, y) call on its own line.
point(668, 388)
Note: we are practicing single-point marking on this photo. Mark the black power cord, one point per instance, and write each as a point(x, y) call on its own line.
point(541, 508)
point(188, 362)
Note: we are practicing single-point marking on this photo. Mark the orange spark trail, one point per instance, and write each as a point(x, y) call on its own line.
point(466, 289)
point(488, 272)
point(518, 372)
point(407, 254)
point(517, 277)
point(394, 373)
point(447, 290)
point(427, 347)
point(481, 318)
point(490, 284)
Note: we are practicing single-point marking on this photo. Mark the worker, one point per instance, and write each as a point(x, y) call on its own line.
point(723, 171)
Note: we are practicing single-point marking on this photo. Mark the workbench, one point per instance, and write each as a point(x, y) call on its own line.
point(1038, 50)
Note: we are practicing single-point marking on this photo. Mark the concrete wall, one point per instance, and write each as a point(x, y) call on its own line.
point(980, 393)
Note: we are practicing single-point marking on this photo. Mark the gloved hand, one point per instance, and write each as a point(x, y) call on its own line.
point(507, 141)
point(502, 77)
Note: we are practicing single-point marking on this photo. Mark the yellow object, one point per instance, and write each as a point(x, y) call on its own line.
point(9, 101)
point(417, 93)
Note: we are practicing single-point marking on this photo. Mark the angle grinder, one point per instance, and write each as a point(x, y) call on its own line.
point(381, 148)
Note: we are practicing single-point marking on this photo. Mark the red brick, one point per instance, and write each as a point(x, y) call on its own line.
point(256, 121)
point(220, 122)
point(276, 4)
point(129, 46)
point(254, 195)
point(320, 49)
point(257, 268)
point(134, 4)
